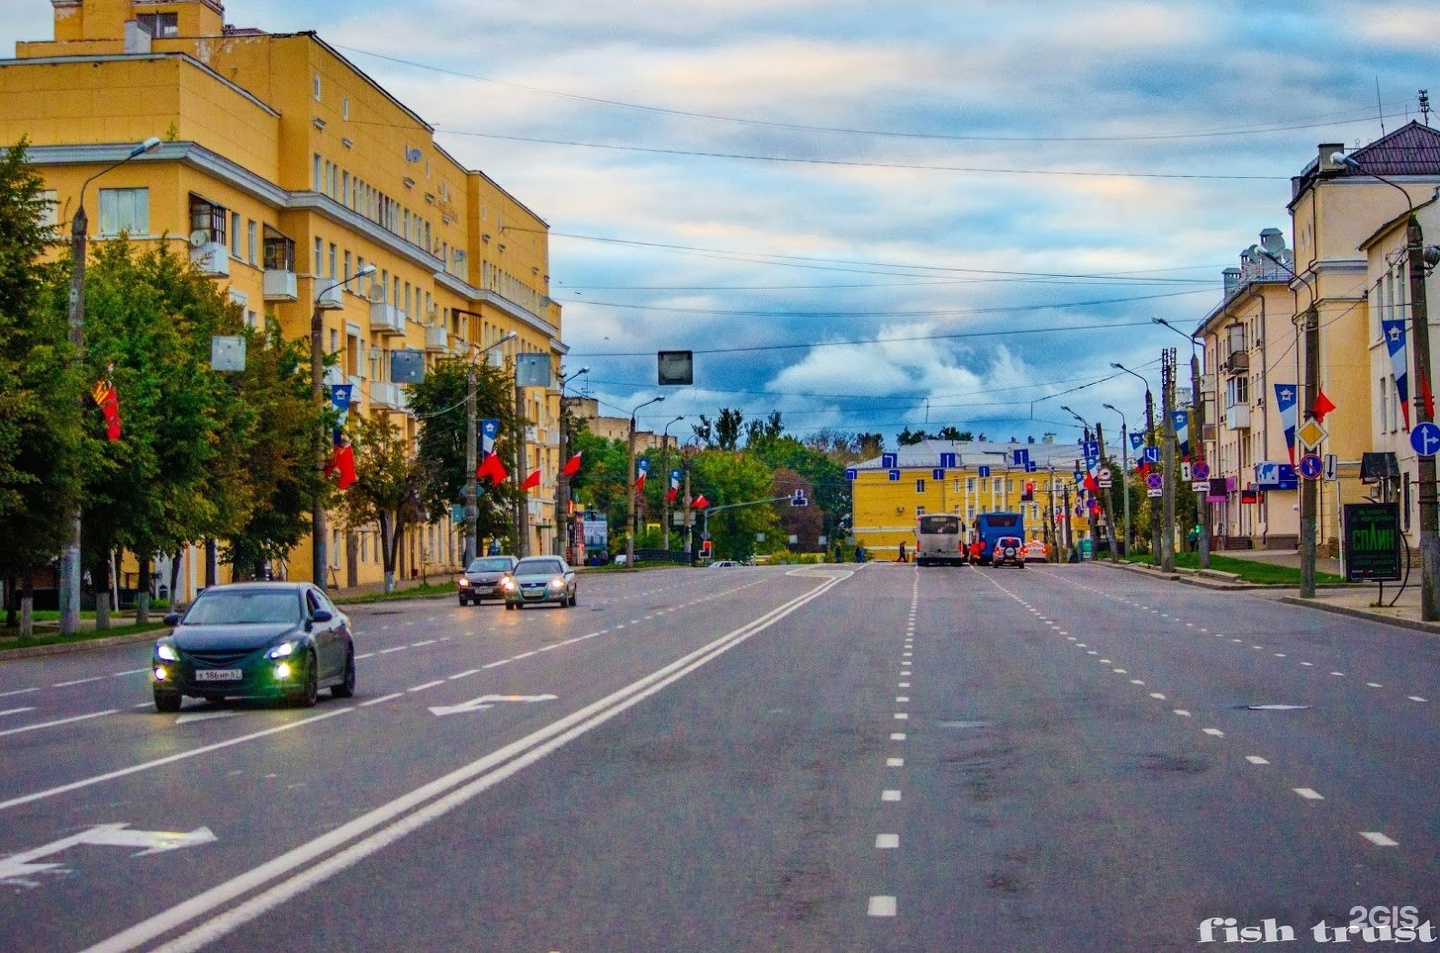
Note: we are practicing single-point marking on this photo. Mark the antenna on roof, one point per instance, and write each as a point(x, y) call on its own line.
point(1425, 105)
point(1379, 106)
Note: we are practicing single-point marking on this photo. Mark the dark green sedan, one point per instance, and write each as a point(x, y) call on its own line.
point(277, 640)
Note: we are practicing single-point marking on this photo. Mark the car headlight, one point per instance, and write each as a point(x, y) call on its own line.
point(283, 650)
point(462, 582)
point(166, 652)
point(507, 583)
point(557, 583)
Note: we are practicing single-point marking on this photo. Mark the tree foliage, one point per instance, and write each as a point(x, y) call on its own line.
point(389, 488)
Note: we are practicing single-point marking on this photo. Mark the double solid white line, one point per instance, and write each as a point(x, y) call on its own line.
point(313, 863)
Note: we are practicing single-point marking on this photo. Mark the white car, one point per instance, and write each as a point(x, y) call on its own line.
point(724, 564)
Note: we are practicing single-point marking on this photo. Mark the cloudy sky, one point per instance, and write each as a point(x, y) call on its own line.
point(872, 216)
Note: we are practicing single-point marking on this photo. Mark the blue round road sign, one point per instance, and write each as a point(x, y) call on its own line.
point(1200, 470)
point(1311, 466)
point(1425, 438)
point(1155, 481)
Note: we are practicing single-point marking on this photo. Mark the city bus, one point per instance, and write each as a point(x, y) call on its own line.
point(940, 538)
point(991, 526)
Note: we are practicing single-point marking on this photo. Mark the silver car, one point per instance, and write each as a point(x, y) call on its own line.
point(536, 580)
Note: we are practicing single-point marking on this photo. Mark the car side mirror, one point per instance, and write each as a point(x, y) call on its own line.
point(172, 620)
point(321, 615)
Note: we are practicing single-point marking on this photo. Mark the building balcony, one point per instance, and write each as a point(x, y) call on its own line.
point(1237, 417)
point(437, 339)
point(281, 285)
point(212, 259)
point(385, 395)
point(386, 318)
point(329, 297)
point(1238, 363)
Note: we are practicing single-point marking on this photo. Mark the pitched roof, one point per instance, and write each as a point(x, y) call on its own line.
point(1412, 149)
point(973, 453)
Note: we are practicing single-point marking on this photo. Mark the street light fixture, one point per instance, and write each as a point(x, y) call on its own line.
point(1420, 328)
point(472, 513)
point(318, 545)
point(1149, 436)
point(1197, 439)
point(1124, 470)
point(630, 489)
point(665, 469)
point(1084, 424)
point(562, 482)
point(79, 226)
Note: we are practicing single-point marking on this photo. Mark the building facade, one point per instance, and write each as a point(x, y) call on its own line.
point(891, 492)
point(283, 173)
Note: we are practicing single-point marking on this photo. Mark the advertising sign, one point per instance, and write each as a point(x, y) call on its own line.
point(1372, 542)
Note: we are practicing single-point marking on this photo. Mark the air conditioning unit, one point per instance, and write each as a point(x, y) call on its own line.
point(330, 297)
point(211, 258)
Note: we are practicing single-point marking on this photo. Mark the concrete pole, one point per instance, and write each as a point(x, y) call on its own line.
point(1197, 453)
point(472, 513)
point(1309, 489)
point(1424, 413)
point(1167, 397)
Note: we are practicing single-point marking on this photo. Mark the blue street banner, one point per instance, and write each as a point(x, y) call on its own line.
point(489, 430)
point(1182, 430)
point(1286, 397)
point(1394, 331)
point(1137, 440)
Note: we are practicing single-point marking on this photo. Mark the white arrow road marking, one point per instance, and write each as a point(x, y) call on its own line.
point(17, 866)
point(489, 701)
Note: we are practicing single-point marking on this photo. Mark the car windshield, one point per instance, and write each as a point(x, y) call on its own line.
point(538, 567)
point(250, 607)
point(491, 564)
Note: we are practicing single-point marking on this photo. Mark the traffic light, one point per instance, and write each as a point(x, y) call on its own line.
point(705, 546)
point(1029, 493)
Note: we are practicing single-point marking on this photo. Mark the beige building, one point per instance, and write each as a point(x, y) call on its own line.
point(284, 172)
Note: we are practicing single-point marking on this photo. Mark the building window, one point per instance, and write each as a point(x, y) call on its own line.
point(319, 261)
point(315, 84)
point(159, 25)
point(250, 241)
point(333, 260)
point(49, 208)
point(319, 182)
point(919, 511)
point(346, 274)
point(208, 219)
point(345, 108)
point(919, 484)
point(124, 210)
point(279, 251)
point(235, 235)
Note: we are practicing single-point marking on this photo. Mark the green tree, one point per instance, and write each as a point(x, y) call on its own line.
point(39, 416)
point(438, 402)
point(149, 321)
point(729, 478)
point(728, 427)
point(390, 485)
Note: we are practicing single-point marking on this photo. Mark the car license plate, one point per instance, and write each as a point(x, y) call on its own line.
point(218, 675)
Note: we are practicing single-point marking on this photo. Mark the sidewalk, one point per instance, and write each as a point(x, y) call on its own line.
point(1357, 600)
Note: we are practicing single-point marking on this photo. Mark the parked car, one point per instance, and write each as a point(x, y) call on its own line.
point(1036, 552)
point(1008, 551)
point(282, 640)
point(724, 564)
point(482, 577)
point(536, 580)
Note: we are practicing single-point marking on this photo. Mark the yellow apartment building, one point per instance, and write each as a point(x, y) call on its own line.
point(284, 171)
point(891, 492)
point(1251, 351)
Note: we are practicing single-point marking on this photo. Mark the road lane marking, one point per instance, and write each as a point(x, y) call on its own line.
point(890, 796)
point(398, 648)
point(17, 711)
point(168, 759)
point(78, 681)
point(1308, 794)
point(881, 907)
point(133, 671)
point(898, 736)
point(291, 874)
point(1157, 695)
point(894, 762)
point(887, 841)
point(1374, 685)
point(465, 674)
point(1255, 759)
point(901, 716)
point(1215, 731)
point(61, 721)
point(421, 688)
point(1415, 698)
point(416, 645)
point(18, 691)
point(382, 698)
point(1182, 713)
point(902, 699)
point(1374, 837)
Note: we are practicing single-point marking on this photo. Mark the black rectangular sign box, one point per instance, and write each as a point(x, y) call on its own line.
point(676, 368)
point(1372, 542)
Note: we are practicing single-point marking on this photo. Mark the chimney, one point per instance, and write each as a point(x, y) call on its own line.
point(1047, 438)
point(1232, 281)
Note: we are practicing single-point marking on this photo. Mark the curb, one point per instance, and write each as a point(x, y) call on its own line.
point(1432, 628)
point(64, 648)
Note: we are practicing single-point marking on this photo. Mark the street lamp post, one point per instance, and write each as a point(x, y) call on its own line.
point(1105, 503)
point(562, 483)
point(1125, 470)
point(318, 544)
point(1149, 436)
point(472, 490)
point(665, 469)
point(1420, 328)
point(1197, 439)
point(630, 489)
point(79, 226)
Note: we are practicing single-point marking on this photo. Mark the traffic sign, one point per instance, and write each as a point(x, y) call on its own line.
point(1425, 438)
point(1311, 466)
point(1332, 467)
point(1155, 481)
point(1152, 454)
point(1105, 473)
point(1311, 434)
point(1186, 474)
point(1201, 486)
point(1200, 470)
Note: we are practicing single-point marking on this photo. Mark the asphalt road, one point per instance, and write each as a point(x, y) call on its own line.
point(1060, 758)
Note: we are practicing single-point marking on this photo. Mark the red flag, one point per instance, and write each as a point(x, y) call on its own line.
point(342, 463)
point(1091, 485)
point(492, 467)
point(670, 495)
point(700, 502)
point(109, 403)
point(1322, 405)
point(572, 466)
point(1427, 398)
point(531, 481)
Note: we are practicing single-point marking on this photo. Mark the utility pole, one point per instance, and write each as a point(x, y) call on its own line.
point(1167, 398)
point(1105, 496)
point(1197, 454)
point(522, 505)
point(472, 513)
point(1310, 489)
